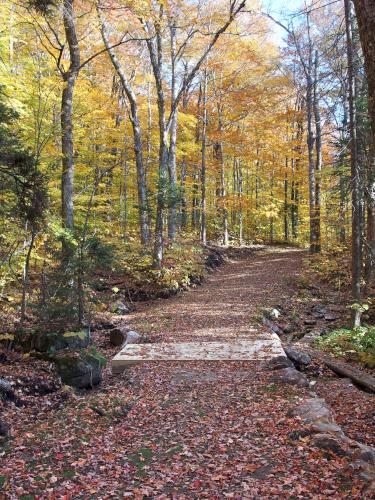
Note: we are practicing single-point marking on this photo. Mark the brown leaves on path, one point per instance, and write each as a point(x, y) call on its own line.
point(181, 430)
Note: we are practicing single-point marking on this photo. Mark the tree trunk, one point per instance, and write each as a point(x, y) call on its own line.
point(203, 166)
point(318, 157)
point(25, 287)
point(370, 230)
point(240, 211)
point(365, 10)
point(356, 209)
point(310, 146)
point(286, 204)
point(156, 56)
point(173, 142)
point(69, 77)
point(137, 135)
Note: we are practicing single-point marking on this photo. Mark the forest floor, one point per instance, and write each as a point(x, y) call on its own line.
point(182, 430)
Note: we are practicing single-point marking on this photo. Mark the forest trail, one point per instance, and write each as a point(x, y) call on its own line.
point(228, 304)
point(222, 315)
point(222, 429)
point(177, 430)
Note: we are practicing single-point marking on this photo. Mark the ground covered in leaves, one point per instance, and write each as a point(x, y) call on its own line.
point(174, 430)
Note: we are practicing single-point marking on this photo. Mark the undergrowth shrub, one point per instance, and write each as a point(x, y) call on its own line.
point(333, 265)
point(182, 260)
point(358, 343)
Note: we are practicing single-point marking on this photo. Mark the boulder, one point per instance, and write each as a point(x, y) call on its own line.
point(328, 428)
point(288, 328)
point(290, 376)
point(365, 454)
point(319, 311)
point(331, 317)
point(4, 429)
point(79, 339)
point(122, 336)
point(330, 443)
point(105, 325)
point(117, 336)
point(272, 326)
point(133, 337)
point(313, 411)
point(271, 313)
point(297, 357)
point(82, 370)
point(6, 387)
point(120, 307)
point(278, 363)
point(310, 322)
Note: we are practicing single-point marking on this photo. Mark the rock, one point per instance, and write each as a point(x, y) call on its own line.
point(299, 358)
point(6, 386)
point(103, 326)
point(278, 363)
point(213, 260)
point(122, 336)
point(328, 428)
point(365, 454)
point(272, 326)
point(4, 429)
point(327, 442)
point(289, 328)
point(82, 370)
point(319, 311)
point(133, 337)
point(272, 313)
point(309, 338)
point(117, 336)
point(79, 339)
point(313, 411)
point(330, 317)
point(121, 308)
point(290, 376)
point(7, 392)
point(310, 322)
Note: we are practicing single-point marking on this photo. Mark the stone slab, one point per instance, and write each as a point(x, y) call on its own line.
point(264, 348)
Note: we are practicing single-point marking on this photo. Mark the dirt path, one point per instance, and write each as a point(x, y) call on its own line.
point(197, 430)
point(229, 302)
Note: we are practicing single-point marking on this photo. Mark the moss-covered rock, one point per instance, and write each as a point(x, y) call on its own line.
point(80, 369)
point(45, 342)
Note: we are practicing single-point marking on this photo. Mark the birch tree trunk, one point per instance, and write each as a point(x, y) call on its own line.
point(156, 56)
point(173, 141)
point(137, 134)
point(69, 77)
point(310, 145)
point(318, 156)
point(355, 181)
point(203, 166)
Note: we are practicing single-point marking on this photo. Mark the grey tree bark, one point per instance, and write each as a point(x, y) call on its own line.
point(155, 48)
point(70, 76)
point(311, 143)
point(365, 12)
point(172, 222)
point(318, 155)
point(137, 134)
point(203, 165)
point(355, 181)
